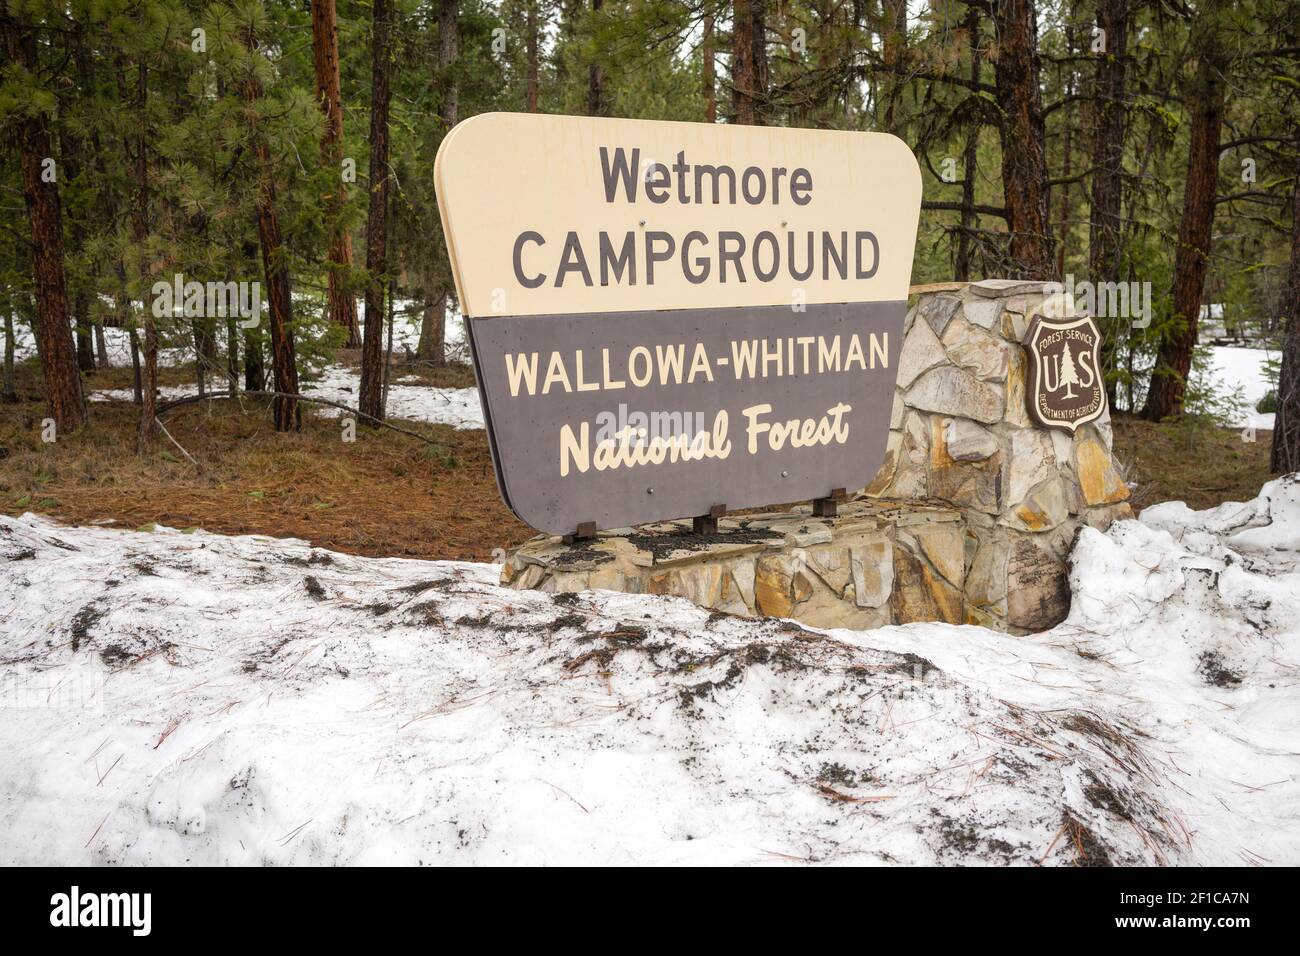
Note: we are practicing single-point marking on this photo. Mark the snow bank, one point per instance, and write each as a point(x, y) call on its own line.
point(193, 698)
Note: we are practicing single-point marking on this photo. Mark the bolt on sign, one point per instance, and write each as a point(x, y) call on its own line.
point(1065, 388)
point(669, 317)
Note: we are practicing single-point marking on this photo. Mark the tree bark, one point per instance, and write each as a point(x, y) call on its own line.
point(1024, 158)
point(448, 55)
point(710, 70)
point(1105, 224)
point(1067, 148)
point(342, 304)
point(433, 331)
point(970, 157)
point(1192, 258)
point(54, 342)
point(146, 370)
point(137, 374)
point(285, 410)
point(254, 366)
point(532, 43)
point(372, 370)
point(232, 356)
point(1286, 427)
point(893, 30)
point(596, 105)
point(8, 392)
point(749, 94)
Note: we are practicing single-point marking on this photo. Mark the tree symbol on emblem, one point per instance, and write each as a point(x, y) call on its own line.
point(1068, 375)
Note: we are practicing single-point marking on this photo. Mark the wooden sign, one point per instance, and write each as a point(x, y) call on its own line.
point(1065, 387)
point(668, 317)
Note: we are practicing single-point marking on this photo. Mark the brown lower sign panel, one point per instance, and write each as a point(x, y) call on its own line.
point(626, 417)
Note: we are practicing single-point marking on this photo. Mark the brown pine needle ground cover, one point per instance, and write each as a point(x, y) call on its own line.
point(1203, 466)
point(390, 494)
point(385, 494)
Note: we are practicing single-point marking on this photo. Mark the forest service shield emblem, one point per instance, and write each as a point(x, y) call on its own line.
point(1064, 388)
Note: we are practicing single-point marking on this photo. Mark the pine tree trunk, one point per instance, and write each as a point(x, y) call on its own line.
point(893, 31)
point(85, 337)
point(596, 79)
point(532, 43)
point(1192, 258)
point(137, 375)
point(54, 341)
point(232, 356)
point(448, 56)
point(1024, 158)
point(1286, 427)
point(101, 346)
point(1067, 147)
point(342, 304)
point(254, 366)
point(8, 392)
point(146, 371)
point(1105, 227)
point(749, 62)
point(285, 410)
point(200, 376)
point(433, 328)
point(372, 371)
point(432, 344)
point(970, 158)
point(710, 70)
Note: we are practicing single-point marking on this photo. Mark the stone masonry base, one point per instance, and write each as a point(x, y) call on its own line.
point(877, 562)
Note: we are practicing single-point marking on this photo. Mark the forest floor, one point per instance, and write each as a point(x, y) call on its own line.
point(384, 494)
point(394, 495)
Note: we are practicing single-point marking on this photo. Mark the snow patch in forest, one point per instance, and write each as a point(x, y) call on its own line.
point(457, 407)
point(196, 698)
point(1243, 368)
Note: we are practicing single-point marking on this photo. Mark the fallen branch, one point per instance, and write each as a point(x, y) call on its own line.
point(179, 446)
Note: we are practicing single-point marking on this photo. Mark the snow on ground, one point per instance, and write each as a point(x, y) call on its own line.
point(457, 407)
point(1230, 369)
point(1244, 368)
point(250, 700)
point(406, 334)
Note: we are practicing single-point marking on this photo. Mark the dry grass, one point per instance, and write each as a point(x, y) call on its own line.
point(1203, 467)
point(385, 494)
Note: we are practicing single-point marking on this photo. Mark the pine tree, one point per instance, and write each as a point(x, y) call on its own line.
point(372, 371)
point(54, 341)
point(1286, 429)
point(325, 48)
point(1192, 259)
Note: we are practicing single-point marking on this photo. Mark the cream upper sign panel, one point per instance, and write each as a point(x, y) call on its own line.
point(564, 215)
